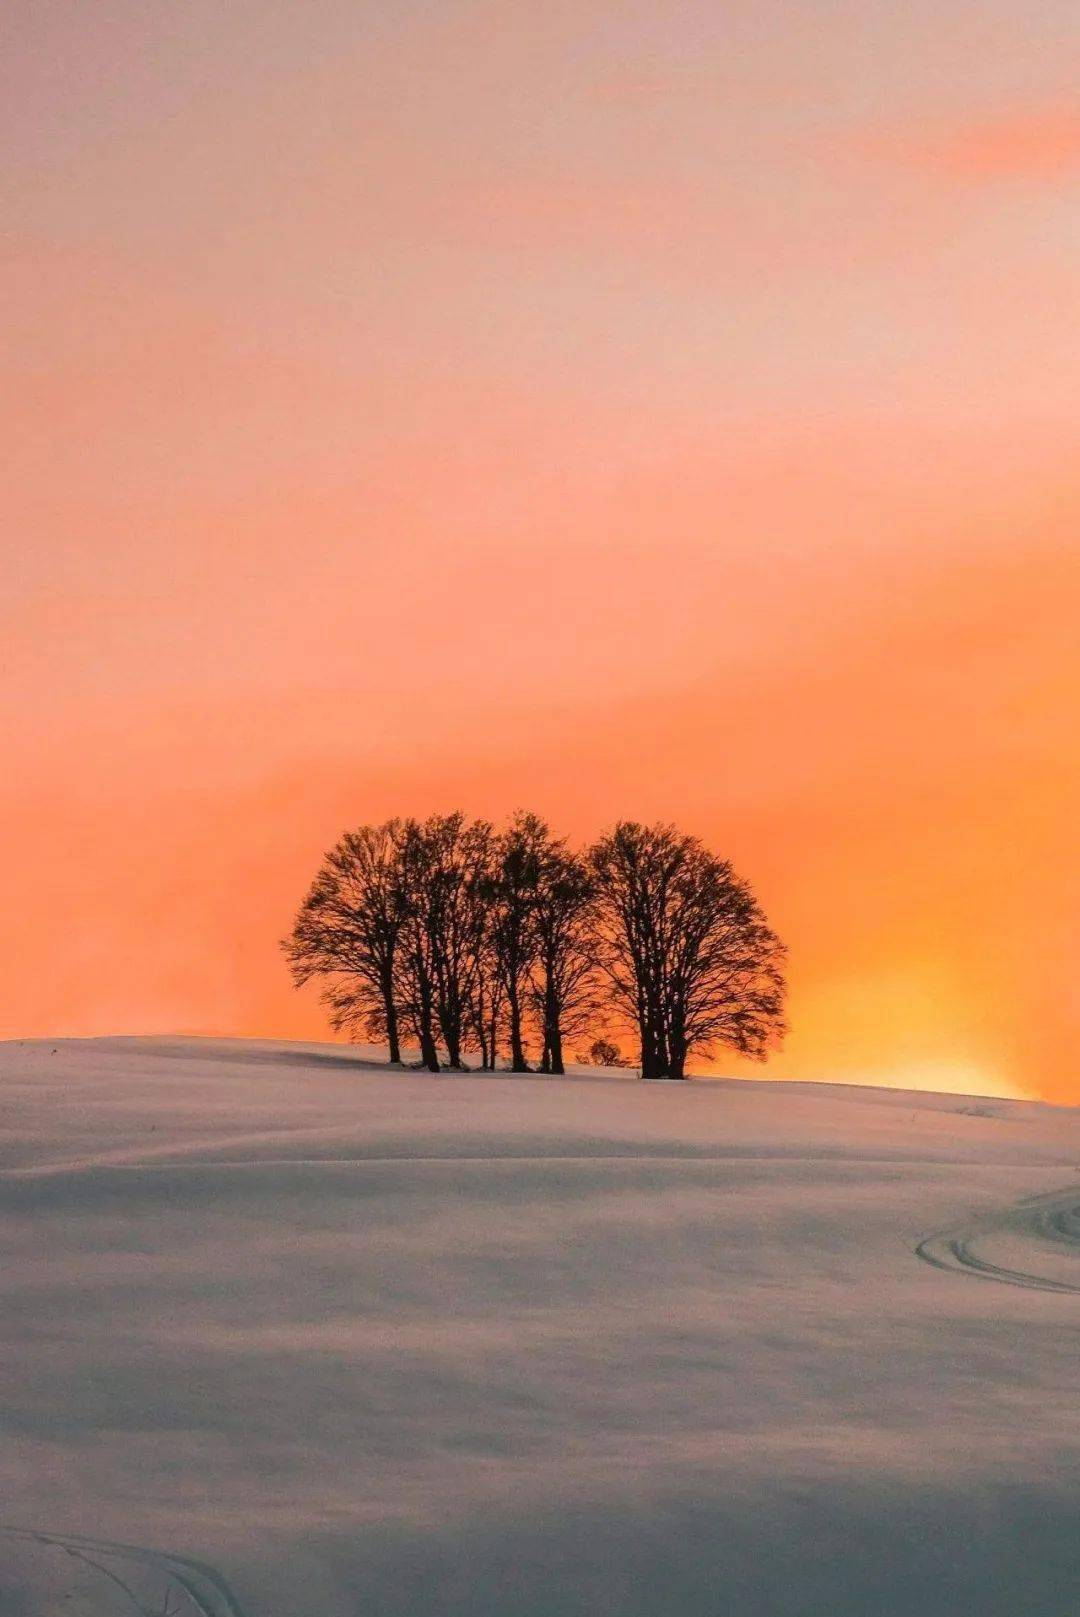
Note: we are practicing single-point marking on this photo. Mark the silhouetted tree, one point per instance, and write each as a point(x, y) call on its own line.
point(414, 979)
point(486, 1011)
point(602, 1053)
point(685, 948)
point(447, 875)
point(447, 932)
point(564, 972)
point(348, 931)
point(519, 855)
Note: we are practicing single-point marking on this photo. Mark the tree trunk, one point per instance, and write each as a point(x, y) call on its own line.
point(650, 1065)
point(655, 1059)
point(660, 1045)
point(676, 1042)
point(449, 1015)
point(452, 1040)
point(663, 1057)
point(551, 1060)
point(429, 1054)
point(392, 1036)
point(646, 1025)
point(518, 1062)
point(425, 1028)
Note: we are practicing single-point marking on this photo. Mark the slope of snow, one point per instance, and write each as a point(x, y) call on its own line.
point(313, 1339)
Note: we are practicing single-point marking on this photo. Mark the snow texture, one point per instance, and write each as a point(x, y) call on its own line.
point(289, 1335)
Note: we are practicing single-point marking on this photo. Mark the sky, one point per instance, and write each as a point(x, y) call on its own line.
point(620, 410)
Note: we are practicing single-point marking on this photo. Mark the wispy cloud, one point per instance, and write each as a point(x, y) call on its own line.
point(1042, 144)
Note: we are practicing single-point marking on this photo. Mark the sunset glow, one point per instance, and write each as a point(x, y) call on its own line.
point(665, 411)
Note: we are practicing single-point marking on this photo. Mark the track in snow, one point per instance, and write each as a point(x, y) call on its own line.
point(1040, 1227)
point(184, 1588)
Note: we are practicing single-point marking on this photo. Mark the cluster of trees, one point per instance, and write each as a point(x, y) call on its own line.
point(459, 937)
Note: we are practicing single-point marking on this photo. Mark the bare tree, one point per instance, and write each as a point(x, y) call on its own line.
point(447, 868)
point(685, 947)
point(519, 856)
point(348, 932)
point(564, 974)
point(445, 931)
point(486, 1016)
point(414, 979)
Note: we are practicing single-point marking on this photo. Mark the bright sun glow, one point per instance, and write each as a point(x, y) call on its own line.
point(947, 1077)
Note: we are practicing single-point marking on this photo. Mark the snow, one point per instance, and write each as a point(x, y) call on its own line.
point(315, 1339)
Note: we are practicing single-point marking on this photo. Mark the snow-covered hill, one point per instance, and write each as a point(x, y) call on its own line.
point(315, 1339)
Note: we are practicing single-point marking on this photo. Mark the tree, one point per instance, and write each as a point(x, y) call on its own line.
point(685, 948)
point(348, 931)
point(564, 973)
point(441, 930)
point(519, 856)
point(602, 1053)
point(446, 864)
point(486, 1019)
point(414, 978)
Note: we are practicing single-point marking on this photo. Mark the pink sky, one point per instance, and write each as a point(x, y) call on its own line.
point(619, 410)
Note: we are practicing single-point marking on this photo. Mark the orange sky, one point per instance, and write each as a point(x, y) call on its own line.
point(652, 410)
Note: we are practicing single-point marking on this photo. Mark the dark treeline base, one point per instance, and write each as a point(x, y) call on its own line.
point(455, 935)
